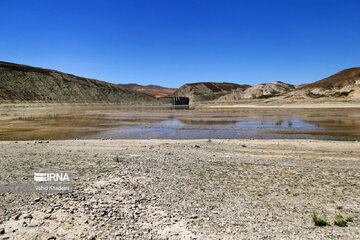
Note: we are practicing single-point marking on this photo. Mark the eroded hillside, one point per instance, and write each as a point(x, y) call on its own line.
point(21, 83)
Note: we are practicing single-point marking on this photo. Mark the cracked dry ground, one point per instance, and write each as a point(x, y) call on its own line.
point(183, 189)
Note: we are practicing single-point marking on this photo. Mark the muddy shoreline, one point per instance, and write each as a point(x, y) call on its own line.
point(119, 122)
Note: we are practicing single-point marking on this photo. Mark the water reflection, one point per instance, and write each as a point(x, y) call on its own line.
point(342, 129)
point(147, 123)
point(205, 122)
point(174, 128)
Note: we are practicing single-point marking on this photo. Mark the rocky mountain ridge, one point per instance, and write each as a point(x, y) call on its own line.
point(264, 90)
point(22, 83)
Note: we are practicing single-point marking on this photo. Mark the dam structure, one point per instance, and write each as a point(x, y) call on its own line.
point(175, 100)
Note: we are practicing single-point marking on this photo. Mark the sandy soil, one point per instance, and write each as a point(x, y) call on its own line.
point(282, 102)
point(304, 105)
point(183, 189)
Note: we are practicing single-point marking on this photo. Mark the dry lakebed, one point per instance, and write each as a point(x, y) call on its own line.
point(183, 189)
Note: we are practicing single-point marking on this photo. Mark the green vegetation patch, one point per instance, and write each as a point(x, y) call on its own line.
point(341, 221)
point(314, 95)
point(319, 221)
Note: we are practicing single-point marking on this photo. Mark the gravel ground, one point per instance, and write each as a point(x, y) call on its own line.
point(183, 189)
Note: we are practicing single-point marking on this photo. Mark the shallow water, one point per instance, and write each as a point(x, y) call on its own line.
point(163, 123)
point(329, 124)
point(179, 129)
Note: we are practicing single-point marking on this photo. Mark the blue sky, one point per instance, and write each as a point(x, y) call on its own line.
point(174, 42)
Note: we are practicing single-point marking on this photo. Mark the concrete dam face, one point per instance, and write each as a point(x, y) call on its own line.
point(175, 100)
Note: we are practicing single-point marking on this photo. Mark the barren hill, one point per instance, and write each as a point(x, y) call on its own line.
point(268, 89)
point(343, 79)
point(155, 90)
point(206, 91)
point(345, 83)
point(32, 84)
point(258, 91)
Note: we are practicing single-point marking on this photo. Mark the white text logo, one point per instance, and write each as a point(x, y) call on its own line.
point(51, 177)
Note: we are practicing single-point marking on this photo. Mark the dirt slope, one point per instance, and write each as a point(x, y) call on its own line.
point(31, 84)
point(345, 84)
point(342, 79)
point(268, 89)
point(155, 90)
point(258, 91)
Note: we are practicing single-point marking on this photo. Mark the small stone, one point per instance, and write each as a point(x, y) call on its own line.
point(50, 210)
point(52, 238)
point(197, 146)
point(2, 230)
point(243, 145)
point(47, 216)
point(28, 216)
point(92, 237)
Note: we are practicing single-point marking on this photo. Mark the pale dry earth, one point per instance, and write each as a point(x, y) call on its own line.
point(183, 189)
point(285, 102)
point(295, 105)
